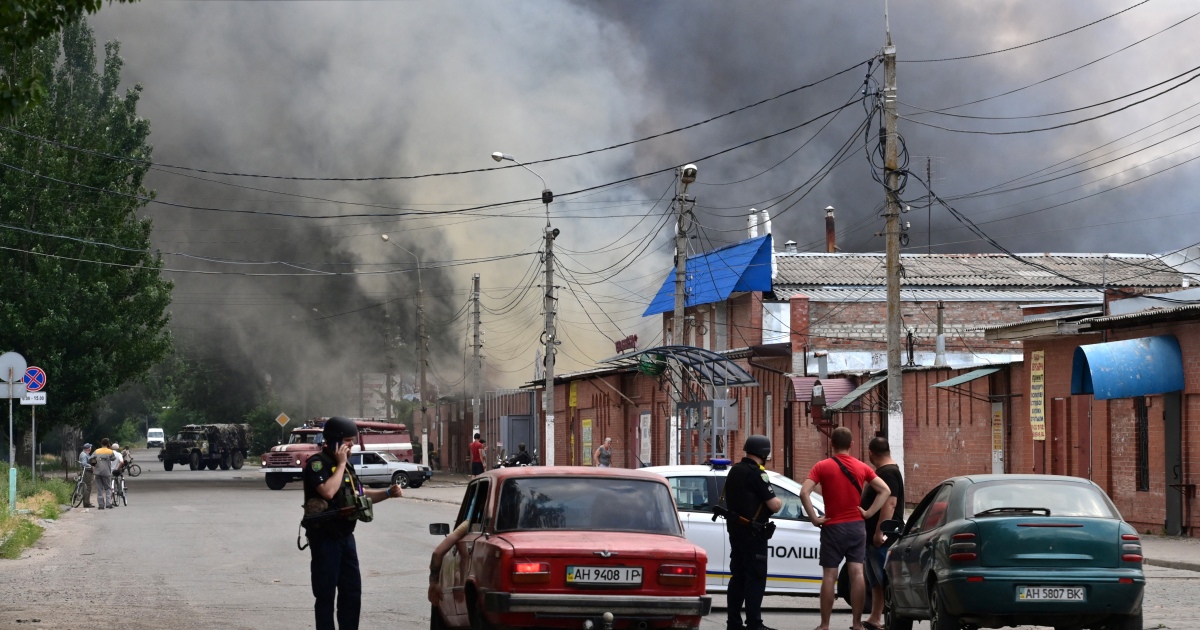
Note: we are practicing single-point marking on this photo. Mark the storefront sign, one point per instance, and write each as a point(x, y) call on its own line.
point(1037, 394)
point(997, 438)
point(585, 427)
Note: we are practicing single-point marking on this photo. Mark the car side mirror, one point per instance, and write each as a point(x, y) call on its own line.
point(891, 527)
point(439, 529)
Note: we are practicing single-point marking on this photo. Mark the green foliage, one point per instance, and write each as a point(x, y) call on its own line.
point(22, 538)
point(93, 316)
point(50, 511)
point(22, 24)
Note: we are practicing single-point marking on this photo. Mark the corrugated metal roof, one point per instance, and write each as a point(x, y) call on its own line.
point(947, 294)
point(713, 276)
point(849, 399)
point(835, 388)
point(966, 378)
point(979, 270)
point(1146, 314)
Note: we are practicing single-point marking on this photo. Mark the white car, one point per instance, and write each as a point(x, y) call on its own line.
point(380, 468)
point(794, 550)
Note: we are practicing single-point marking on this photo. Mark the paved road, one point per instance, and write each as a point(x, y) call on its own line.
point(216, 549)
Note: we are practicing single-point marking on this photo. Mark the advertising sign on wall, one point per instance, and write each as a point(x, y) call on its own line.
point(586, 439)
point(1037, 394)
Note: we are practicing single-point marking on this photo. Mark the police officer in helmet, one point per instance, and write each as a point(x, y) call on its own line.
point(332, 488)
point(750, 502)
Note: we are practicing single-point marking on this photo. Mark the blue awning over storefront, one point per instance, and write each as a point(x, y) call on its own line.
point(1124, 369)
point(713, 276)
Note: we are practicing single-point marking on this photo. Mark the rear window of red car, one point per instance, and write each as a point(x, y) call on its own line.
point(588, 504)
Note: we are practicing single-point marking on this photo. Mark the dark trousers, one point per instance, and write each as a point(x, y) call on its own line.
point(335, 570)
point(747, 580)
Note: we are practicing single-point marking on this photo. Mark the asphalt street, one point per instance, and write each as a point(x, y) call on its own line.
point(217, 549)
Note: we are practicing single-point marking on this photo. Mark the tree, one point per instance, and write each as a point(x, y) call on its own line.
point(82, 296)
point(24, 23)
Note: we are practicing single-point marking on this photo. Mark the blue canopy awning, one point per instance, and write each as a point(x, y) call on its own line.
point(713, 276)
point(1124, 369)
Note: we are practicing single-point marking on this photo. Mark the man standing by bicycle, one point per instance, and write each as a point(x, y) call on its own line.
point(86, 466)
point(102, 463)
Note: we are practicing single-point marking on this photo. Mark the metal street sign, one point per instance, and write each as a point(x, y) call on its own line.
point(34, 398)
point(35, 379)
point(14, 361)
point(282, 419)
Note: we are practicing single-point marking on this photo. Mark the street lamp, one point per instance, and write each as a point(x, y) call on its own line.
point(549, 336)
point(420, 335)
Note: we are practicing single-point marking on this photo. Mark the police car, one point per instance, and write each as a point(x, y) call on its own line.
point(792, 565)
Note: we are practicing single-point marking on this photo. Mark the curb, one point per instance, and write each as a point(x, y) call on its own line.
point(1173, 564)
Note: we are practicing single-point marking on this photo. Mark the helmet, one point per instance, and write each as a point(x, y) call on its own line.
point(339, 428)
point(759, 445)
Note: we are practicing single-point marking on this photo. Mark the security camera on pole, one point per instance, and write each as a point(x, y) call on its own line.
point(685, 175)
point(550, 304)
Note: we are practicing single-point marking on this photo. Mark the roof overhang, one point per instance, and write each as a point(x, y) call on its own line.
point(1128, 368)
point(714, 276)
point(955, 384)
point(861, 391)
point(708, 367)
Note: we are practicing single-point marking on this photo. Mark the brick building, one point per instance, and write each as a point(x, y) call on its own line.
point(1120, 404)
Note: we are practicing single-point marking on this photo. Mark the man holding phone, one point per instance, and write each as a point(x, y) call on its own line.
point(333, 492)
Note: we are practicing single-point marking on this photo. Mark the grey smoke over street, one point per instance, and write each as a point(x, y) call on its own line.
point(355, 90)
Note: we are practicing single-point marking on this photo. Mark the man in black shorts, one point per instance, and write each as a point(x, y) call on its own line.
point(880, 453)
point(843, 533)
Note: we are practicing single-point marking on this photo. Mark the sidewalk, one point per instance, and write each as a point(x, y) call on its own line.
point(1171, 552)
point(1162, 551)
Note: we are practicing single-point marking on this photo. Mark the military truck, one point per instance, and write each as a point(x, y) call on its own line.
point(285, 462)
point(207, 445)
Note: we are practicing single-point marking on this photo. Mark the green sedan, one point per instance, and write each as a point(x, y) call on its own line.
point(988, 551)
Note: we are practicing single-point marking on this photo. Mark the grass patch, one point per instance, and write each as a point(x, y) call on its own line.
point(21, 537)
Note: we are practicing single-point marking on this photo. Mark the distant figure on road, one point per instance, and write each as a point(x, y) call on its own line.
point(86, 465)
point(603, 454)
point(478, 453)
point(102, 462)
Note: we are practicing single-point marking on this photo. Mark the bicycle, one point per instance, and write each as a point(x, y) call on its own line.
point(133, 470)
point(118, 490)
point(80, 492)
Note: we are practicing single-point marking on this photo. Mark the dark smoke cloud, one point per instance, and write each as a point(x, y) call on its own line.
point(361, 89)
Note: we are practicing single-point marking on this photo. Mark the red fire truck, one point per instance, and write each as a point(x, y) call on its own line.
point(285, 462)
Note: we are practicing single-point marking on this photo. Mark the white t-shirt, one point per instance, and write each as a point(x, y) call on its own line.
point(117, 460)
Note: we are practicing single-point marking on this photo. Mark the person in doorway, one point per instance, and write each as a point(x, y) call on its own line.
point(843, 532)
point(603, 455)
point(750, 502)
point(88, 476)
point(880, 454)
point(520, 458)
point(331, 489)
point(102, 462)
point(478, 453)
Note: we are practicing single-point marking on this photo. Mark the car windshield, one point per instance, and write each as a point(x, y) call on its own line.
point(1060, 498)
point(587, 503)
point(306, 438)
point(388, 457)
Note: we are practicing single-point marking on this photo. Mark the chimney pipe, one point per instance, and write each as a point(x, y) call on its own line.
point(752, 223)
point(830, 234)
point(791, 248)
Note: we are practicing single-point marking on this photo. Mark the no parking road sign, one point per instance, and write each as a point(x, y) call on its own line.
point(35, 379)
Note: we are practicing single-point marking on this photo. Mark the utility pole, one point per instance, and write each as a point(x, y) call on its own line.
point(421, 357)
point(929, 206)
point(550, 305)
point(895, 380)
point(477, 363)
point(686, 175)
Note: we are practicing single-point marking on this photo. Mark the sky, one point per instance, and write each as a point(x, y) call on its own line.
point(387, 89)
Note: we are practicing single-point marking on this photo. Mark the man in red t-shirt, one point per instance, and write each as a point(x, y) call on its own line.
point(843, 530)
point(478, 452)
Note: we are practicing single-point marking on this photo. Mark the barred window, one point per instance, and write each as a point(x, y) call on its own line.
point(1142, 418)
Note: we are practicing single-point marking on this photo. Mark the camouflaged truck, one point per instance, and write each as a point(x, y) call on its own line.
point(207, 445)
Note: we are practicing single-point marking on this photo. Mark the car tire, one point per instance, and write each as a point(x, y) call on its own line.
point(1125, 622)
point(226, 462)
point(478, 621)
point(168, 465)
point(238, 460)
point(194, 461)
point(435, 619)
point(415, 484)
point(939, 617)
point(891, 621)
point(276, 481)
point(400, 479)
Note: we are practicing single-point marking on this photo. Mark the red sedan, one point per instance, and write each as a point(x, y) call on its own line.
point(565, 547)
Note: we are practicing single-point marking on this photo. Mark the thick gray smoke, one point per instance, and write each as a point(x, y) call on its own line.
point(369, 89)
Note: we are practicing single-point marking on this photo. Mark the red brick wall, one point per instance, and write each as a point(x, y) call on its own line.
point(861, 325)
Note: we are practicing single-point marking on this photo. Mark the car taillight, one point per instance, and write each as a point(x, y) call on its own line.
point(677, 574)
point(1131, 557)
point(963, 547)
point(1131, 548)
point(531, 572)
